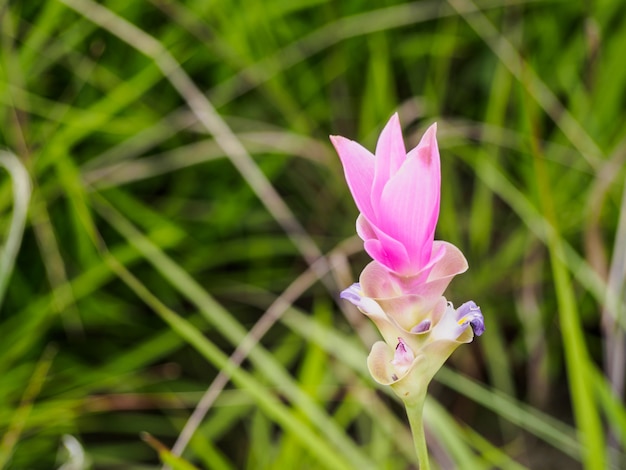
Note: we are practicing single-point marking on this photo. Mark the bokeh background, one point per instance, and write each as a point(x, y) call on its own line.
point(176, 229)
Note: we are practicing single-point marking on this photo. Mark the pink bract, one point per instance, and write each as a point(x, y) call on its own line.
point(409, 301)
point(397, 194)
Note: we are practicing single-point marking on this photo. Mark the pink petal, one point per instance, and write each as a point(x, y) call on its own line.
point(363, 228)
point(437, 252)
point(358, 166)
point(428, 151)
point(378, 283)
point(450, 263)
point(384, 249)
point(410, 300)
point(390, 154)
point(453, 262)
point(389, 253)
point(409, 207)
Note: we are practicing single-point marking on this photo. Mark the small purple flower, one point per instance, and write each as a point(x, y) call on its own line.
point(403, 357)
point(454, 324)
point(351, 294)
point(422, 326)
point(470, 313)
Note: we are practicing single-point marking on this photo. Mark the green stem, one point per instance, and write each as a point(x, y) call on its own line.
point(415, 413)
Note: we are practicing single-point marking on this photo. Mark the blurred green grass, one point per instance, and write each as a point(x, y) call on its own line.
point(183, 193)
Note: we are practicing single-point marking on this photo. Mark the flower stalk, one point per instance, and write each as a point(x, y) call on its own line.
point(415, 412)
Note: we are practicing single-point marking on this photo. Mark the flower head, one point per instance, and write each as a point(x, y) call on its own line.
point(401, 291)
point(397, 194)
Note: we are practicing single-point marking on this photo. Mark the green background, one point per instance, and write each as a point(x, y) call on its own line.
point(184, 192)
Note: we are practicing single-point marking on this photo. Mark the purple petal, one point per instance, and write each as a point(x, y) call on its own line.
point(351, 294)
point(454, 324)
point(470, 313)
point(368, 306)
point(421, 327)
point(403, 356)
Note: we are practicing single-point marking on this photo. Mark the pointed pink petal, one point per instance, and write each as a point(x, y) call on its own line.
point(409, 206)
point(390, 154)
point(428, 151)
point(358, 166)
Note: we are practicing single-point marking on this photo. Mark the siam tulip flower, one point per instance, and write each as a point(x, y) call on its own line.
point(397, 194)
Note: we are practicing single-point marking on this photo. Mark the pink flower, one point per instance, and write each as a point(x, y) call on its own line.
point(397, 194)
point(402, 290)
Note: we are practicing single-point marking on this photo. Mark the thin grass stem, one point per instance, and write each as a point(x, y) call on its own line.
point(21, 198)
